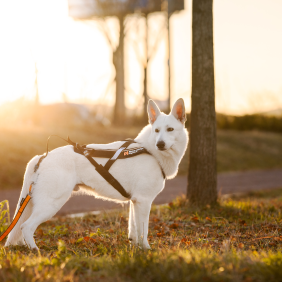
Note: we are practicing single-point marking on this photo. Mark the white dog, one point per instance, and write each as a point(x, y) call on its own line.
point(63, 171)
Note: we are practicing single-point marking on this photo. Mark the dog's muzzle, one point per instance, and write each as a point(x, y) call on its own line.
point(161, 145)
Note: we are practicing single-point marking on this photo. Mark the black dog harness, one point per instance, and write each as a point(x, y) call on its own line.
point(122, 153)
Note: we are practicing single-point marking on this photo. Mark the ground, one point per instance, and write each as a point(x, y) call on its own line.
point(237, 240)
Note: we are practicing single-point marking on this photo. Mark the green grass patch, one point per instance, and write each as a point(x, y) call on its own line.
point(237, 240)
point(4, 215)
point(237, 150)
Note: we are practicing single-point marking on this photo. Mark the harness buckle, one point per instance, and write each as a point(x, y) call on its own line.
point(86, 153)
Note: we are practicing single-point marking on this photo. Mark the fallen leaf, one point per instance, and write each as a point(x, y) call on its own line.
point(174, 226)
point(40, 232)
point(86, 239)
point(195, 219)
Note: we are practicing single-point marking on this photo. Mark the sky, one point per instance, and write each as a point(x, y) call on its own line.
point(75, 58)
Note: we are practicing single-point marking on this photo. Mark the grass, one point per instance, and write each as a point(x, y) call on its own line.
point(238, 240)
point(237, 150)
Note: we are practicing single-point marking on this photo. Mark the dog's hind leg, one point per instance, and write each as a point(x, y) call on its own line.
point(16, 236)
point(141, 217)
point(44, 208)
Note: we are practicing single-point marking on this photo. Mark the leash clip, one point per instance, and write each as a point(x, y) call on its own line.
point(30, 187)
point(22, 201)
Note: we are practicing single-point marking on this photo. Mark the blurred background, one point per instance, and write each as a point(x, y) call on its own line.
point(86, 68)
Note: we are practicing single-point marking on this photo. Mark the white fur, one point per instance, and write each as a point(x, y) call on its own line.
point(63, 171)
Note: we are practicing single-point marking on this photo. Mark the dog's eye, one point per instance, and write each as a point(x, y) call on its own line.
point(156, 130)
point(170, 129)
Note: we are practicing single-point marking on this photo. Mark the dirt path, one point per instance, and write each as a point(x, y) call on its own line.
point(234, 182)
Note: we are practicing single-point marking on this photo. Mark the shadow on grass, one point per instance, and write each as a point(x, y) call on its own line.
point(248, 207)
point(264, 194)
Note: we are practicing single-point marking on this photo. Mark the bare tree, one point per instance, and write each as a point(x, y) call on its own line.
point(202, 146)
point(150, 39)
point(118, 62)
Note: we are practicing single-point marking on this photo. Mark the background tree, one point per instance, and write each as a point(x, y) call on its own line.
point(118, 61)
point(117, 46)
point(146, 39)
point(202, 176)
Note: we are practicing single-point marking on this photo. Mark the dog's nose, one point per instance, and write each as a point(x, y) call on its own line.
point(161, 145)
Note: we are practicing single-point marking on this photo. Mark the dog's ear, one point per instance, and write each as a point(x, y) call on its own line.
point(178, 110)
point(153, 111)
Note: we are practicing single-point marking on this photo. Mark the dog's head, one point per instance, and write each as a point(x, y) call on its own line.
point(167, 129)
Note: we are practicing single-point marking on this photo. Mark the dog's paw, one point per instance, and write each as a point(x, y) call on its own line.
point(35, 249)
point(133, 241)
point(132, 237)
point(146, 246)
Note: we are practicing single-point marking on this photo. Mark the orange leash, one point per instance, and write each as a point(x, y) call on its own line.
point(18, 215)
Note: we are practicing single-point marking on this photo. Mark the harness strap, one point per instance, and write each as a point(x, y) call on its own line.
point(108, 177)
point(110, 154)
point(103, 171)
point(100, 169)
point(111, 161)
point(23, 204)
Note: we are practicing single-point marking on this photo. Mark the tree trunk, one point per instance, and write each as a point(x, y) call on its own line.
point(202, 176)
point(118, 60)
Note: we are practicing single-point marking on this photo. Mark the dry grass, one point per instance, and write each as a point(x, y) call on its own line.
point(238, 240)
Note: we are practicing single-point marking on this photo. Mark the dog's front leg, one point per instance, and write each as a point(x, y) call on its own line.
point(132, 231)
point(141, 212)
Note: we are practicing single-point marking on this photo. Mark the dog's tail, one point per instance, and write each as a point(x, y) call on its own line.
point(16, 237)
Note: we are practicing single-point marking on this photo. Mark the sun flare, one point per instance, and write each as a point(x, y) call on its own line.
point(72, 60)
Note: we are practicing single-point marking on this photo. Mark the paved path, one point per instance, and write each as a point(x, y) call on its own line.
point(234, 182)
